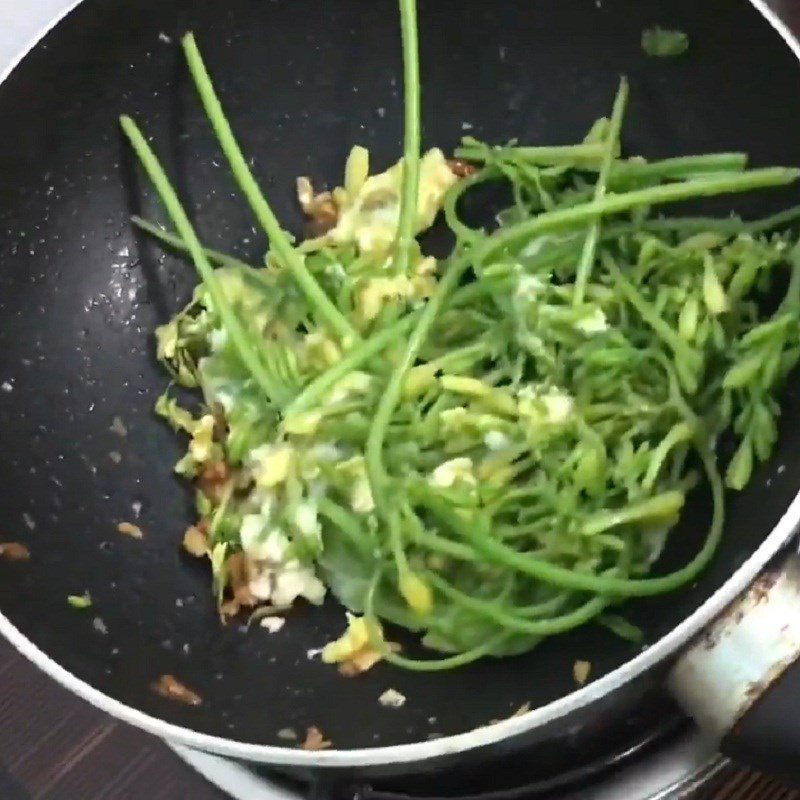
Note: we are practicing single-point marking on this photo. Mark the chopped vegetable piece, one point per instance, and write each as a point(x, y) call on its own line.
point(80, 601)
point(662, 43)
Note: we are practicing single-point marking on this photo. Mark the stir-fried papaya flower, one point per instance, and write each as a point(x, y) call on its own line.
point(491, 448)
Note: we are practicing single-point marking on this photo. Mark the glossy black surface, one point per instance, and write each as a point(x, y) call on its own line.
point(80, 295)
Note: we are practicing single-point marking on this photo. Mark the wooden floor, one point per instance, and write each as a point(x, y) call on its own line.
point(54, 746)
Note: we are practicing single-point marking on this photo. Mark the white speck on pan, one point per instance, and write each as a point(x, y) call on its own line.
point(273, 624)
point(391, 698)
point(99, 625)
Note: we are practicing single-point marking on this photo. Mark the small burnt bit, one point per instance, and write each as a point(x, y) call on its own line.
point(14, 551)
point(169, 687)
point(461, 168)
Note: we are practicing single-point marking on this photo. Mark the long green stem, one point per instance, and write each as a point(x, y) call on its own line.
point(538, 627)
point(391, 396)
point(359, 355)
point(411, 144)
point(545, 156)
point(176, 243)
point(589, 157)
point(681, 167)
point(421, 665)
point(556, 575)
point(410, 188)
point(246, 347)
point(592, 237)
point(294, 262)
point(616, 204)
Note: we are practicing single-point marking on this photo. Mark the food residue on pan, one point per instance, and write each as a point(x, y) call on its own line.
point(580, 671)
point(99, 626)
point(273, 623)
point(14, 551)
point(115, 456)
point(171, 688)
point(287, 734)
point(523, 709)
point(353, 651)
point(315, 740)
point(129, 529)
point(118, 427)
point(391, 698)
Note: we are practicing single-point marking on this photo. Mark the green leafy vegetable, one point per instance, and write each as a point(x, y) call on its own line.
point(490, 449)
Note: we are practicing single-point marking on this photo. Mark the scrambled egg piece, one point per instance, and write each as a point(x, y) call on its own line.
point(457, 470)
point(369, 209)
point(553, 407)
point(593, 322)
point(354, 469)
point(281, 585)
point(376, 292)
point(352, 650)
point(202, 439)
point(202, 448)
point(271, 464)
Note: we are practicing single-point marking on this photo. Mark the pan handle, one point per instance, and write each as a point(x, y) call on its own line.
point(740, 680)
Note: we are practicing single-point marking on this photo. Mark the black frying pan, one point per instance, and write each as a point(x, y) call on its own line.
point(80, 295)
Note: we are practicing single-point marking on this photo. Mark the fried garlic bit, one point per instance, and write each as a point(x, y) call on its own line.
point(580, 671)
point(171, 688)
point(195, 542)
point(239, 575)
point(320, 208)
point(315, 740)
point(14, 551)
point(129, 529)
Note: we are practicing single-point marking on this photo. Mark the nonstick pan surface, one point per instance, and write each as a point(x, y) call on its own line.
point(80, 295)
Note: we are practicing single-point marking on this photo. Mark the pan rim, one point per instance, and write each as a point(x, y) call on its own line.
point(458, 743)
